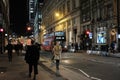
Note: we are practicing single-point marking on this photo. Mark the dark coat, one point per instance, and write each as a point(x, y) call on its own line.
point(9, 47)
point(32, 54)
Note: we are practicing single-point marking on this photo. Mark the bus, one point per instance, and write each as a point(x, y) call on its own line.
point(50, 39)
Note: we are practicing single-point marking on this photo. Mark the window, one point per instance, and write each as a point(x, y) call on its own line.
point(68, 22)
point(63, 9)
point(73, 21)
point(110, 11)
point(32, 15)
point(102, 13)
point(73, 4)
point(60, 10)
point(68, 6)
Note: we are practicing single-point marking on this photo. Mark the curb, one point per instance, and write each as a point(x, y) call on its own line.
point(41, 63)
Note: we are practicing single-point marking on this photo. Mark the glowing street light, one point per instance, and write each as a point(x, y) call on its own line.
point(57, 14)
point(1, 30)
point(28, 28)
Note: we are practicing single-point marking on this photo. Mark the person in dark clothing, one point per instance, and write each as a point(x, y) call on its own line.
point(32, 58)
point(20, 47)
point(9, 47)
point(17, 49)
point(112, 45)
point(76, 47)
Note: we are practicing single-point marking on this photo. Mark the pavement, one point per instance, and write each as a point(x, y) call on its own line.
point(18, 70)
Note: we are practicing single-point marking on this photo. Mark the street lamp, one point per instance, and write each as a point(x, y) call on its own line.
point(57, 14)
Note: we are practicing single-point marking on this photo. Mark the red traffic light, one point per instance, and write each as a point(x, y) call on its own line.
point(1, 30)
point(87, 32)
point(28, 28)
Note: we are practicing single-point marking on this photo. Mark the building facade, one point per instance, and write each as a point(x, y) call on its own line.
point(4, 22)
point(35, 17)
point(100, 18)
point(61, 15)
point(91, 23)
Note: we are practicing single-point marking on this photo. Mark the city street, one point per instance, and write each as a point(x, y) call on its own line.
point(87, 32)
point(93, 66)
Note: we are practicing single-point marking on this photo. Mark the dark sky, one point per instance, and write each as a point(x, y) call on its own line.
point(18, 16)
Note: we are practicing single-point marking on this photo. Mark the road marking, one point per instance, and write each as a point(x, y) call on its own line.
point(79, 70)
point(94, 78)
point(83, 72)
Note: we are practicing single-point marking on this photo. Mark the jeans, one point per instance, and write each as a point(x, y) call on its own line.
point(57, 64)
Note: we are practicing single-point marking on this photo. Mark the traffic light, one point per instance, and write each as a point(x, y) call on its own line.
point(28, 28)
point(1, 29)
point(87, 32)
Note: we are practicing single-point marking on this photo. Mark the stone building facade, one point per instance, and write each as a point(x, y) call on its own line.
point(62, 15)
point(76, 17)
point(100, 17)
point(4, 23)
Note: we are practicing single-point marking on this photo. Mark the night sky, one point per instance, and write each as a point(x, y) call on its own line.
point(18, 16)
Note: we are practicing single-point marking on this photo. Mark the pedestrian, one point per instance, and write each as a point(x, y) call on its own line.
point(57, 54)
point(112, 45)
point(20, 47)
point(32, 58)
point(17, 48)
point(76, 47)
point(9, 47)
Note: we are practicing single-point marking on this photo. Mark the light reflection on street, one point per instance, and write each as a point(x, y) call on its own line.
point(66, 61)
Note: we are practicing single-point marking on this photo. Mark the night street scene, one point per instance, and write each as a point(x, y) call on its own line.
point(59, 39)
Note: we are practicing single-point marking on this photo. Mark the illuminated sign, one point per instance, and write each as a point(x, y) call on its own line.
point(60, 38)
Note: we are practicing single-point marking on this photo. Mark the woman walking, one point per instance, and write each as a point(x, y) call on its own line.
point(57, 54)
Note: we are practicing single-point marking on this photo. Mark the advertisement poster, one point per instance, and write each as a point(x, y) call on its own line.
point(101, 37)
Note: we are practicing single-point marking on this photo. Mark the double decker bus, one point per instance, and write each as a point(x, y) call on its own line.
point(51, 38)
